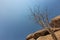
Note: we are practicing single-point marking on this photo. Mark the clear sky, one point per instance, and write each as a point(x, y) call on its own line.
point(15, 21)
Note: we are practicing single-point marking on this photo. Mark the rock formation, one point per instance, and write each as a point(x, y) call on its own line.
point(44, 34)
point(40, 33)
point(48, 37)
point(55, 22)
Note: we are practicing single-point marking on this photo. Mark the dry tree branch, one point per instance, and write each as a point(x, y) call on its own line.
point(49, 28)
point(39, 17)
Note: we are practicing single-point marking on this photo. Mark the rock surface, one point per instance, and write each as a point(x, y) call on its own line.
point(55, 22)
point(48, 37)
point(40, 34)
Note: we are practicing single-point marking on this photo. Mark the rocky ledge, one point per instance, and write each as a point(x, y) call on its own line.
point(43, 34)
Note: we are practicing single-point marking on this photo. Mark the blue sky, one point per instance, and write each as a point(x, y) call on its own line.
point(15, 21)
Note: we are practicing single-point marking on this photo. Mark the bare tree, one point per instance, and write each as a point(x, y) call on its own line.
point(42, 19)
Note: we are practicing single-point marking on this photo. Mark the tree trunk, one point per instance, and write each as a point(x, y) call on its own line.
point(52, 34)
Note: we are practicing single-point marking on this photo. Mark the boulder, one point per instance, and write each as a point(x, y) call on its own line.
point(30, 36)
point(40, 33)
point(49, 37)
point(55, 22)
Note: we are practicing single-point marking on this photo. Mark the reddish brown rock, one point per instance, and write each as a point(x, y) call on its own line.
point(55, 22)
point(30, 36)
point(32, 39)
point(49, 37)
point(40, 33)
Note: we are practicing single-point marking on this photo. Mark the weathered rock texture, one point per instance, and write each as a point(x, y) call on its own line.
point(44, 34)
point(48, 37)
point(55, 22)
point(40, 34)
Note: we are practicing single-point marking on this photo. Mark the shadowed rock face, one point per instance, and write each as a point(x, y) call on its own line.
point(40, 33)
point(55, 22)
point(48, 37)
point(30, 36)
